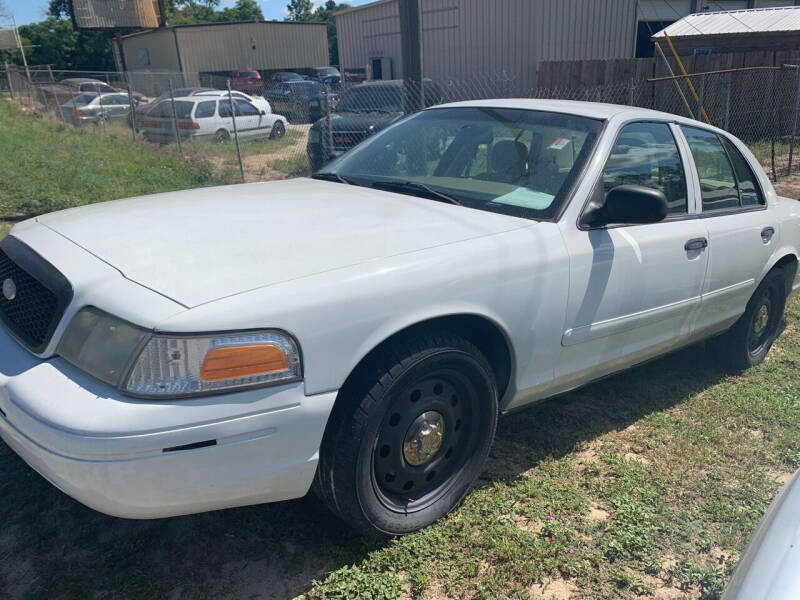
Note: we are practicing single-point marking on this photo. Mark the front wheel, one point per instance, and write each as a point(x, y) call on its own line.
point(409, 434)
point(748, 341)
point(278, 131)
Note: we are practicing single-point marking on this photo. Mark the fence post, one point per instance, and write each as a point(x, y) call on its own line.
point(174, 117)
point(8, 78)
point(701, 97)
point(794, 122)
point(103, 115)
point(328, 127)
point(235, 131)
point(727, 116)
point(631, 91)
point(133, 107)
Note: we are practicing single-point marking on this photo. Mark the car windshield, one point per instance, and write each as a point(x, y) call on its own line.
point(305, 89)
point(327, 71)
point(372, 98)
point(518, 162)
point(288, 77)
point(248, 74)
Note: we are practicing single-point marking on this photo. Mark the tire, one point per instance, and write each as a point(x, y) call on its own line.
point(749, 340)
point(409, 434)
point(278, 131)
point(221, 136)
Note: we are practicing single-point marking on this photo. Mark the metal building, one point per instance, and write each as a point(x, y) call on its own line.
point(219, 48)
point(761, 29)
point(475, 40)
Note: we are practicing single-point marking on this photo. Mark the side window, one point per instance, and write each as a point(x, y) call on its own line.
point(119, 99)
point(205, 109)
point(225, 108)
point(87, 87)
point(646, 154)
point(749, 190)
point(246, 109)
point(717, 181)
point(165, 109)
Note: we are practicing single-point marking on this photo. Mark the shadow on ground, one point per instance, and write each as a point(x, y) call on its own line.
point(51, 546)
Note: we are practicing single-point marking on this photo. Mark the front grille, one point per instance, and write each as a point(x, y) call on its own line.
point(344, 140)
point(39, 294)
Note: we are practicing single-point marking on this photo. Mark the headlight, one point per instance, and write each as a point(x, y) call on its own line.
point(145, 364)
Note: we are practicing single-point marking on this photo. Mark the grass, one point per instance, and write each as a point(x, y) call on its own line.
point(645, 485)
point(48, 166)
point(204, 148)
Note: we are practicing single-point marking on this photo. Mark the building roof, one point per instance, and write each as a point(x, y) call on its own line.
point(756, 20)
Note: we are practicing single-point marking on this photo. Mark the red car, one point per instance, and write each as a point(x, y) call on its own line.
point(249, 82)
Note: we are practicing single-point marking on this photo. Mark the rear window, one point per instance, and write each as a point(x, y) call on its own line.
point(83, 99)
point(183, 109)
point(249, 74)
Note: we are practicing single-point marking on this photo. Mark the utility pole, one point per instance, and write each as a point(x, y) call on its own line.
point(411, 49)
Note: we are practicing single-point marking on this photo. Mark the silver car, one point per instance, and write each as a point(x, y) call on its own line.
point(768, 569)
point(91, 107)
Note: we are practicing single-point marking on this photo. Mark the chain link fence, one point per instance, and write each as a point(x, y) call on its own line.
point(282, 125)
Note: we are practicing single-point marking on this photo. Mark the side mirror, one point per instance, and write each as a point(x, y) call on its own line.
point(628, 205)
point(263, 112)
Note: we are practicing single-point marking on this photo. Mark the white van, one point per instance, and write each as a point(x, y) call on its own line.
point(199, 116)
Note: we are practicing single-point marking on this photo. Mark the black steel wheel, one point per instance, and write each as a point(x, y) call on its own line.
point(748, 342)
point(409, 434)
point(278, 131)
point(222, 136)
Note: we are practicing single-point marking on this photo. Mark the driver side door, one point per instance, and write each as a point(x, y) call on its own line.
point(634, 289)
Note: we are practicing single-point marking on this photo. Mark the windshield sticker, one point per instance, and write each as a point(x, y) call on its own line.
point(559, 144)
point(526, 198)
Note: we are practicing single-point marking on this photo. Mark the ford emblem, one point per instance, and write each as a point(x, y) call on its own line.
point(9, 289)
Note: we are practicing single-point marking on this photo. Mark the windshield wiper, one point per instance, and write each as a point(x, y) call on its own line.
point(416, 188)
point(332, 177)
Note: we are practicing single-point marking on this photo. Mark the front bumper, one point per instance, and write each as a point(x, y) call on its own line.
point(144, 459)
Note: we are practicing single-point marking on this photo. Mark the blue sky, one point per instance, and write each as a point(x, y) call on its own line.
point(28, 11)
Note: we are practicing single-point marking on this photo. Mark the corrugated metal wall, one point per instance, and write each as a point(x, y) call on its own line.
point(475, 39)
point(253, 46)
point(229, 47)
point(153, 51)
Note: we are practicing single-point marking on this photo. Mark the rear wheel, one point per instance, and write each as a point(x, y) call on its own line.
point(748, 342)
point(222, 136)
point(278, 130)
point(409, 435)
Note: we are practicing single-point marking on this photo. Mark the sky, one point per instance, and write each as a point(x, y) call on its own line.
point(28, 11)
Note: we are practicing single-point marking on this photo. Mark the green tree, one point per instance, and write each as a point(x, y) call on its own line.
point(299, 10)
point(326, 14)
point(243, 10)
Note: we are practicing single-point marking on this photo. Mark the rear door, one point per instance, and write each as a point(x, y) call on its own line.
point(634, 289)
point(740, 228)
point(248, 119)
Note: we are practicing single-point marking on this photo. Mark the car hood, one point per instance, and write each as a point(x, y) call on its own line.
point(196, 246)
point(361, 121)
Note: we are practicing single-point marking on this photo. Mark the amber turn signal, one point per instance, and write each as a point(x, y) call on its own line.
point(232, 362)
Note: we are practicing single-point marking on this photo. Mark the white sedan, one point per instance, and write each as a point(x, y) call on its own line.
point(361, 331)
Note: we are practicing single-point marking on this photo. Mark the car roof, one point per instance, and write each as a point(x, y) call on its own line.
point(594, 110)
point(82, 80)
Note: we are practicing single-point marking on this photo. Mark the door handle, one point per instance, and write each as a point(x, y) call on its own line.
point(695, 244)
point(767, 233)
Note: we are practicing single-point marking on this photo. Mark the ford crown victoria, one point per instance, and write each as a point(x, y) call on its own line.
point(361, 331)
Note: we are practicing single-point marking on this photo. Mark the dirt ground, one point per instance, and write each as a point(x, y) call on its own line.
point(788, 187)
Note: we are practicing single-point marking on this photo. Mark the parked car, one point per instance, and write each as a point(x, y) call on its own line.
point(284, 76)
point(362, 111)
point(248, 81)
point(363, 330)
point(67, 88)
point(210, 117)
point(321, 73)
point(142, 110)
point(91, 107)
point(767, 569)
point(300, 101)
